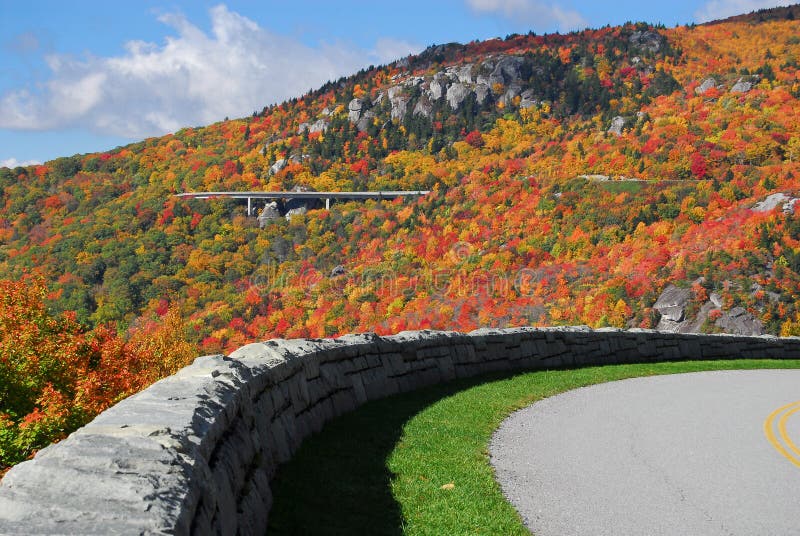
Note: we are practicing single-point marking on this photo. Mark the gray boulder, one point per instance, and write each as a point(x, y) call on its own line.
point(320, 125)
point(299, 211)
point(771, 202)
point(617, 124)
point(456, 95)
point(462, 73)
point(354, 109)
point(277, 166)
point(269, 213)
point(481, 92)
point(671, 305)
point(741, 86)
point(398, 101)
point(739, 322)
point(527, 99)
point(507, 70)
point(488, 80)
point(707, 84)
point(512, 92)
point(423, 108)
point(365, 121)
point(414, 81)
point(435, 90)
point(646, 40)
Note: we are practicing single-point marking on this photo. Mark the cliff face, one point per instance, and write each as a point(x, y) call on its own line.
point(679, 313)
point(446, 81)
point(510, 80)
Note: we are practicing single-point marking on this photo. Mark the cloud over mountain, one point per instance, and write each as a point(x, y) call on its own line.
point(13, 162)
point(533, 12)
point(720, 9)
point(192, 78)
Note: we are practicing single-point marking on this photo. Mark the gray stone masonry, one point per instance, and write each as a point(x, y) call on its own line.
point(195, 452)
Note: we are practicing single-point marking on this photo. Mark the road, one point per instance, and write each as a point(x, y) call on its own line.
point(710, 453)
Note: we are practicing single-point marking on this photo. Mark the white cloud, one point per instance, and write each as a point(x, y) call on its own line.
point(534, 12)
point(13, 162)
point(720, 9)
point(387, 50)
point(193, 78)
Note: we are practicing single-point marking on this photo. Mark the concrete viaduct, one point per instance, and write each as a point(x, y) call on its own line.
point(326, 196)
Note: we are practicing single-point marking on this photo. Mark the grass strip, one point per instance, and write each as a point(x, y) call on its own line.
point(417, 463)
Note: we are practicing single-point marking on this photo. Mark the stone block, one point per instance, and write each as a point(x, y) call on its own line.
point(359, 392)
point(311, 367)
point(343, 402)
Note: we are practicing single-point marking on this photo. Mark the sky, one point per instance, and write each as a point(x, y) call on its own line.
point(88, 76)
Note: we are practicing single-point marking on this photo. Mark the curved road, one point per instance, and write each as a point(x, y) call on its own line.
point(708, 453)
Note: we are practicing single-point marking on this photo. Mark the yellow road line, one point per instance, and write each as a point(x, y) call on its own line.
point(782, 430)
point(769, 432)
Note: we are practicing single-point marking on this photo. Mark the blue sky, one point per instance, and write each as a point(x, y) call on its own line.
point(87, 76)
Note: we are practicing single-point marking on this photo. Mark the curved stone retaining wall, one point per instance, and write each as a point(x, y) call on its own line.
point(195, 452)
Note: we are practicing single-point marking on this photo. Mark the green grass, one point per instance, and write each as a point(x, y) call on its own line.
point(616, 187)
point(380, 469)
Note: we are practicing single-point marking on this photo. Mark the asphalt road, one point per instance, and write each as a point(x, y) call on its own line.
point(686, 454)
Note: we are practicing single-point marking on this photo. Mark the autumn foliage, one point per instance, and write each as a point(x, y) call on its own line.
point(54, 376)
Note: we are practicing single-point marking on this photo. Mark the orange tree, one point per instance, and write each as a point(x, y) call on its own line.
point(54, 376)
point(41, 356)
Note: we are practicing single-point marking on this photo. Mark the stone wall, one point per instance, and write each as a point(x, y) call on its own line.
point(195, 452)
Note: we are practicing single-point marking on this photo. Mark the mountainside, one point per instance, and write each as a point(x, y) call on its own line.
point(575, 178)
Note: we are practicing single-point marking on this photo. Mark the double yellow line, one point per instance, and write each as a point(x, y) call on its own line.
point(787, 448)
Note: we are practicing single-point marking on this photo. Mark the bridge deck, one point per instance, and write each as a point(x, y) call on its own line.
point(383, 194)
point(327, 196)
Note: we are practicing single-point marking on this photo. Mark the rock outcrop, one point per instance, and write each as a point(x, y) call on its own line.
point(646, 40)
point(365, 121)
point(456, 94)
point(772, 201)
point(320, 125)
point(740, 322)
point(499, 76)
point(269, 213)
point(354, 109)
point(423, 107)
point(617, 124)
point(278, 166)
point(437, 87)
point(398, 101)
point(527, 99)
point(292, 212)
point(705, 85)
point(741, 86)
point(672, 306)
